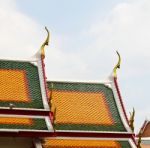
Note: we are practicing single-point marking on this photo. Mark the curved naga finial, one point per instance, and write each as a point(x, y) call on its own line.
point(45, 43)
point(117, 65)
point(131, 121)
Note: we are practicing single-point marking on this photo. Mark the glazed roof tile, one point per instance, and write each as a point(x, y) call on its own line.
point(86, 143)
point(23, 100)
point(20, 85)
point(21, 123)
point(84, 107)
point(23, 95)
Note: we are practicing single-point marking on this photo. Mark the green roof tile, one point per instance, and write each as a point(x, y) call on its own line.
point(22, 123)
point(32, 84)
point(89, 88)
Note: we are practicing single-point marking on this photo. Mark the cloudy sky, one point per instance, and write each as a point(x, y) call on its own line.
point(84, 37)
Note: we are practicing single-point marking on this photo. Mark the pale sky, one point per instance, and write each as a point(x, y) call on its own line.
point(84, 37)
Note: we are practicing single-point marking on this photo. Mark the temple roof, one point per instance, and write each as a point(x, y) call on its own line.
point(25, 77)
point(70, 114)
point(88, 143)
point(23, 96)
point(87, 107)
point(21, 123)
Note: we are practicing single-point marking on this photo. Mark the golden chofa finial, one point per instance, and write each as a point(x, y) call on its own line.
point(117, 65)
point(44, 44)
point(131, 121)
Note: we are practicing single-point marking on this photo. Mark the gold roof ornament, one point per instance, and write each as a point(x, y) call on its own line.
point(117, 65)
point(139, 140)
point(46, 42)
point(52, 107)
point(131, 121)
point(51, 96)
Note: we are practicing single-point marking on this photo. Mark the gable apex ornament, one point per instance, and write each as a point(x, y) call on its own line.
point(117, 65)
point(46, 42)
point(131, 121)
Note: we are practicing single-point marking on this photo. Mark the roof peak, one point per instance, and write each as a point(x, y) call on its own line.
point(117, 66)
point(40, 54)
point(106, 81)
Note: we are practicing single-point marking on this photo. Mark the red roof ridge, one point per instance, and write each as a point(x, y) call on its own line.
point(122, 109)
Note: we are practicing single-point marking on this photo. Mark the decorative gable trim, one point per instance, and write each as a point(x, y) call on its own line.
point(119, 103)
point(42, 84)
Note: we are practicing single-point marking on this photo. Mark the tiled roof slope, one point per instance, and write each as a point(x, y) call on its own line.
point(89, 115)
point(23, 98)
point(23, 123)
point(87, 143)
point(24, 108)
point(20, 85)
point(85, 107)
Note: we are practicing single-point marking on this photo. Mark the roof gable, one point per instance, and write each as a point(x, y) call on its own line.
point(21, 123)
point(23, 96)
point(85, 107)
point(25, 77)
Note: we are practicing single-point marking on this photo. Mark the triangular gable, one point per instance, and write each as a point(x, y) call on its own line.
point(24, 108)
point(20, 85)
point(85, 107)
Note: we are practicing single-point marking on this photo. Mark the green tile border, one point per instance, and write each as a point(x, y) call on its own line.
point(125, 144)
point(86, 87)
point(38, 124)
point(33, 82)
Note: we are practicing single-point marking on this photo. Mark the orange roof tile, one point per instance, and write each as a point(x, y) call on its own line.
point(17, 121)
point(81, 108)
point(20, 85)
point(14, 86)
point(84, 106)
point(59, 143)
